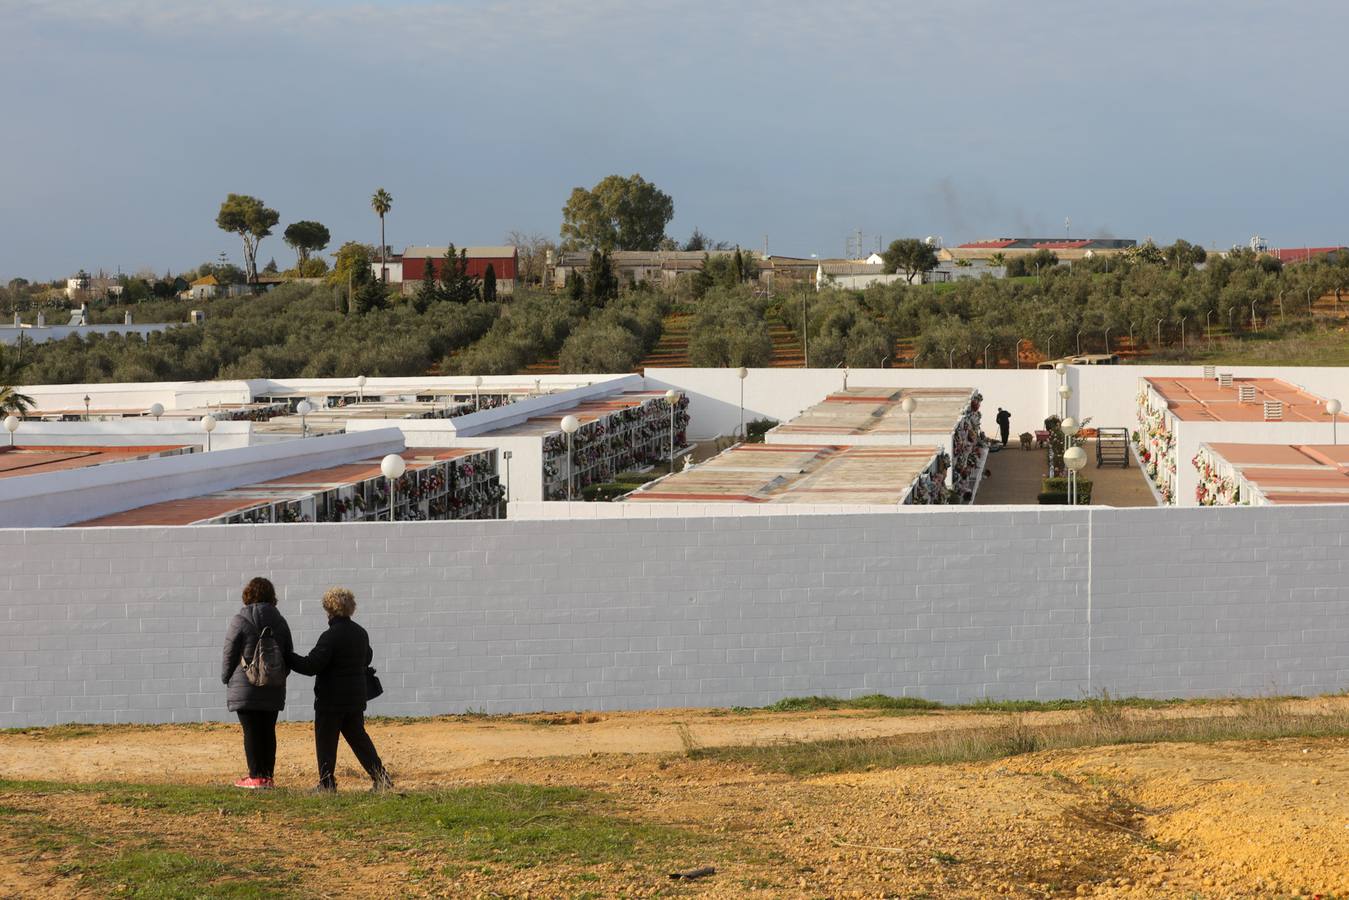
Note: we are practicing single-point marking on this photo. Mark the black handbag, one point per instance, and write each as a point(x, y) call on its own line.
point(372, 686)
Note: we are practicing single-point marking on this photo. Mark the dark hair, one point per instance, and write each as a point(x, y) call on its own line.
point(259, 590)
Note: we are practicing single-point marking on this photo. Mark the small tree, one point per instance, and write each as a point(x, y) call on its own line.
point(305, 238)
point(576, 286)
point(910, 256)
point(428, 291)
point(457, 286)
point(489, 284)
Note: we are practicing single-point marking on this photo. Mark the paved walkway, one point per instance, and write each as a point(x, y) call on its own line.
point(1017, 473)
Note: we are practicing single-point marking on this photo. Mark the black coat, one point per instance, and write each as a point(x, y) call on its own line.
point(338, 663)
point(241, 641)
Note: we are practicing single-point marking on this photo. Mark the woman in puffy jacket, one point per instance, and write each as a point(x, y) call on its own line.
point(256, 706)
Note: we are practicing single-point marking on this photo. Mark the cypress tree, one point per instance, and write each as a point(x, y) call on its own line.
point(489, 284)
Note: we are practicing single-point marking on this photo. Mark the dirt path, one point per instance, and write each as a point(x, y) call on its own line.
point(427, 750)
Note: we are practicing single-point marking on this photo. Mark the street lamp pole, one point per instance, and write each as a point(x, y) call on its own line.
point(1332, 406)
point(506, 455)
point(742, 373)
point(569, 426)
point(672, 397)
point(908, 404)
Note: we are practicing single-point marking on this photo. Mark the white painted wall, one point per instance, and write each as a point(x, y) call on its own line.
point(125, 625)
point(77, 495)
point(135, 432)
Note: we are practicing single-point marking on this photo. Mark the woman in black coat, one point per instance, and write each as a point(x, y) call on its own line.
point(338, 663)
point(256, 706)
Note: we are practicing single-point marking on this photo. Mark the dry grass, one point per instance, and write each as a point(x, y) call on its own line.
point(1100, 723)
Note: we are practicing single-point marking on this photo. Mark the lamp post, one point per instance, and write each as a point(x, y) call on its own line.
point(86, 407)
point(304, 408)
point(11, 425)
point(156, 410)
point(1333, 407)
point(986, 346)
point(742, 373)
point(208, 425)
point(672, 397)
point(1017, 352)
point(908, 404)
point(1208, 327)
point(1075, 458)
point(1254, 324)
point(360, 388)
point(1079, 342)
point(1069, 427)
point(569, 426)
point(506, 455)
point(1065, 394)
point(393, 466)
point(477, 395)
point(951, 358)
point(1159, 332)
point(1107, 340)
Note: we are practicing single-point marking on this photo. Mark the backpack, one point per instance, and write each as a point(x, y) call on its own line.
point(267, 668)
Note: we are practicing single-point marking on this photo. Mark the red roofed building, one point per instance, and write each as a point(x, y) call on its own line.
point(503, 260)
point(1302, 254)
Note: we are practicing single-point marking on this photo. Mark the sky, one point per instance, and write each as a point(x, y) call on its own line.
point(128, 121)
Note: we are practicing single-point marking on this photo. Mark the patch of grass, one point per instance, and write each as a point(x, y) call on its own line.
point(166, 875)
point(517, 825)
point(1101, 723)
point(885, 703)
point(870, 701)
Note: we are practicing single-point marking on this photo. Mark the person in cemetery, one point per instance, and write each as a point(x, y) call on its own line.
point(343, 682)
point(1004, 424)
point(253, 671)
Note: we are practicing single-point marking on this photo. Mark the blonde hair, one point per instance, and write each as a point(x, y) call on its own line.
point(339, 602)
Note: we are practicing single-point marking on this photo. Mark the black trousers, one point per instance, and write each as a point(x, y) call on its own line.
point(328, 725)
point(259, 741)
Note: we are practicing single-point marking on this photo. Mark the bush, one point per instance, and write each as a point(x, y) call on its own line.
point(730, 329)
point(528, 330)
point(755, 430)
point(606, 492)
point(615, 338)
point(1054, 491)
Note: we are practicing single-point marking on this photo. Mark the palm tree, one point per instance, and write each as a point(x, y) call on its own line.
point(11, 401)
point(381, 203)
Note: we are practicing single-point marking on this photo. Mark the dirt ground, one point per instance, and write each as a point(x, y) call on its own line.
point(1239, 819)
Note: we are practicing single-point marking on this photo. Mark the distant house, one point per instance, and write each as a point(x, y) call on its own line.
point(1066, 249)
point(204, 288)
point(409, 268)
point(660, 267)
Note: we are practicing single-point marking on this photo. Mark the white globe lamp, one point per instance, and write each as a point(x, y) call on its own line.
point(156, 410)
point(392, 466)
point(208, 425)
point(11, 425)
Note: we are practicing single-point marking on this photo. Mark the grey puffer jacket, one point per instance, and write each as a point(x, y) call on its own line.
point(240, 643)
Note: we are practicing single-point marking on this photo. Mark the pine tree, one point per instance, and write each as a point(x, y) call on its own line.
point(489, 284)
point(738, 267)
point(428, 291)
point(603, 284)
point(576, 286)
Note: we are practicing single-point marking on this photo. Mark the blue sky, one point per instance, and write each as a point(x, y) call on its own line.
point(127, 121)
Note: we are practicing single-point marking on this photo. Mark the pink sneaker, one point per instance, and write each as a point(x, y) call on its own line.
point(253, 784)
